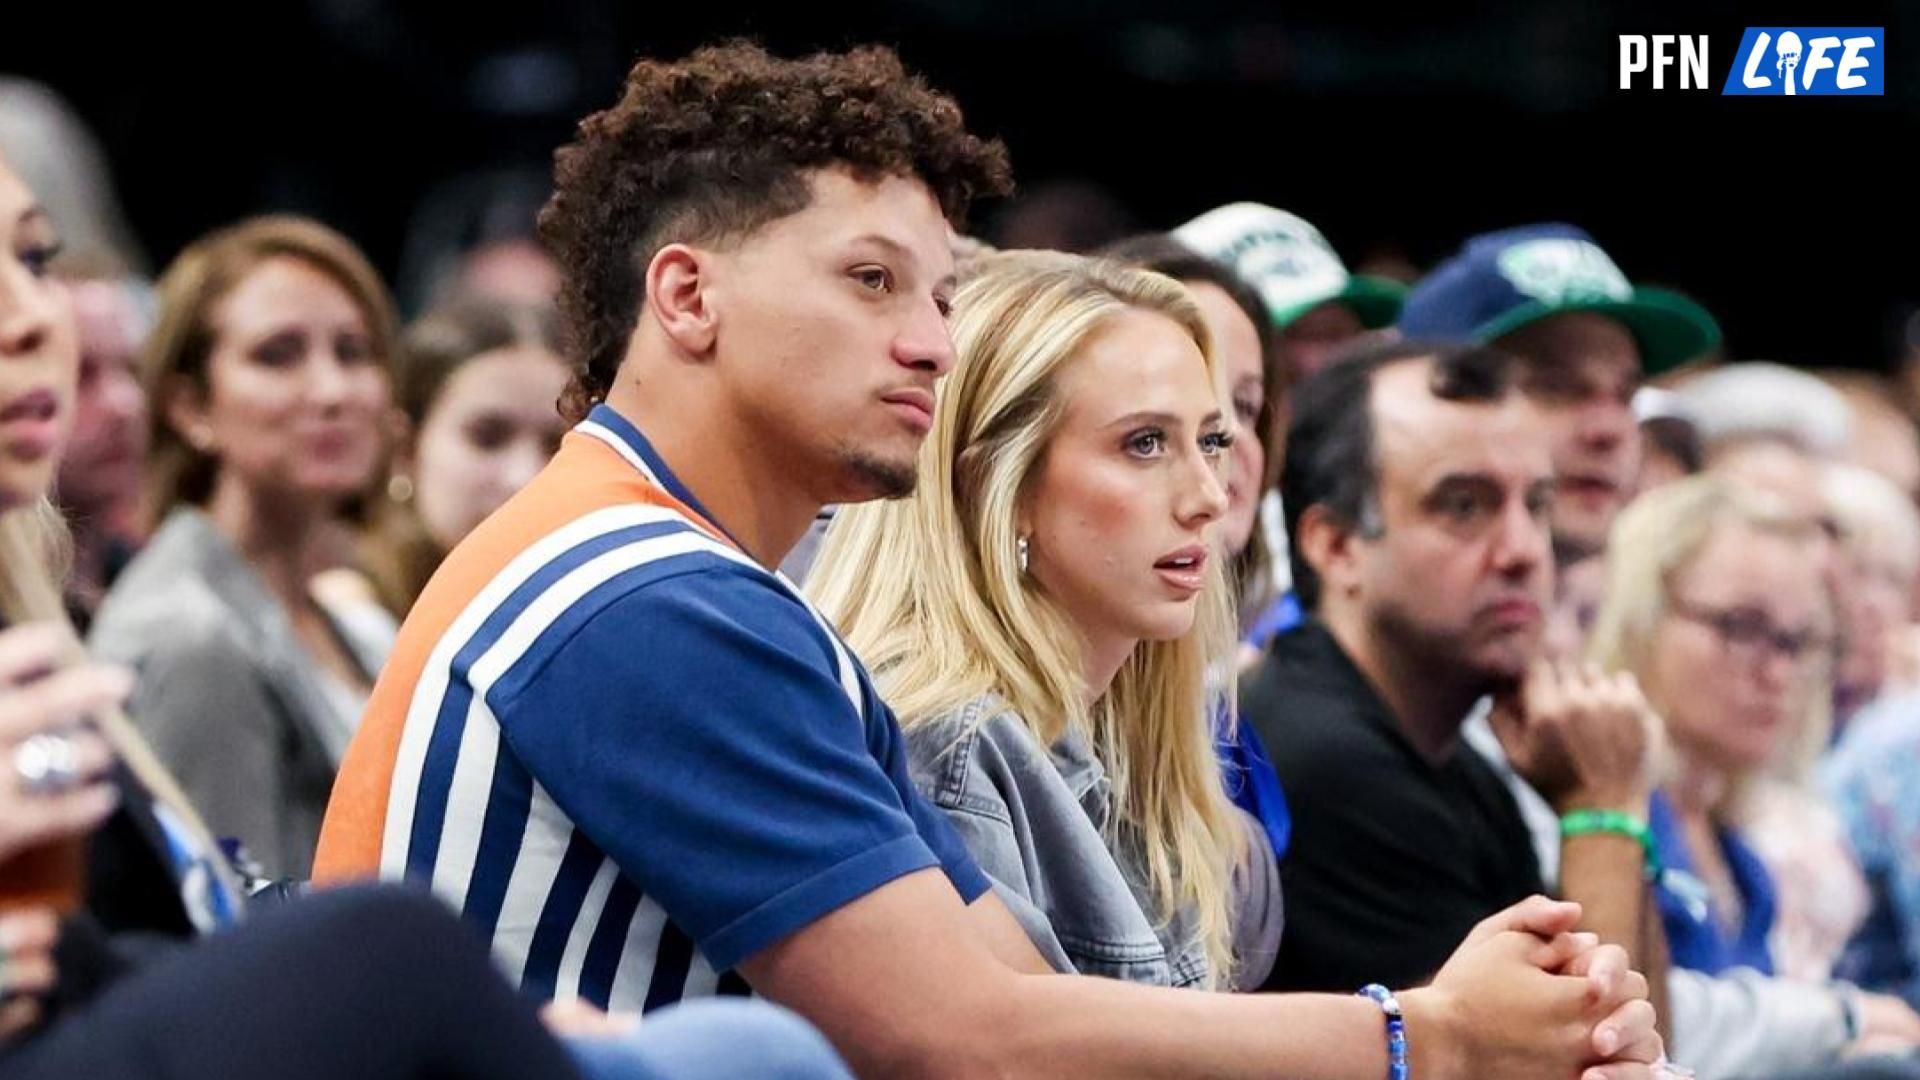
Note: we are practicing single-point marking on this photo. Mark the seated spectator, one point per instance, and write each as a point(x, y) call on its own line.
point(1587, 336)
point(1870, 773)
point(1315, 311)
point(1247, 362)
point(102, 470)
point(98, 995)
point(647, 770)
point(1247, 365)
point(480, 386)
point(1715, 606)
point(1053, 678)
point(1418, 485)
point(1879, 540)
point(268, 374)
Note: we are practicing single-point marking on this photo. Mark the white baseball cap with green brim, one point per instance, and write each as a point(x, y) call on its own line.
point(1289, 263)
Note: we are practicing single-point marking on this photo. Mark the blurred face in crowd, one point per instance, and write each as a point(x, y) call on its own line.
point(1790, 475)
point(1120, 508)
point(1793, 477)
point(1877, 609)
point(39, 354)
point(1314, 340)
point(1236, 347)
point(492, 427)
point(1461, 573)
point(1582, 369)
point(1579, 587)
point(100, 473)
point(513, 272)
point(1729, 661)
point(1876, 546)
point(296, 398)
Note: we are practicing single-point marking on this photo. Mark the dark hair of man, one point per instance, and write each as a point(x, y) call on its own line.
point(1330, 448)
point(712, 147)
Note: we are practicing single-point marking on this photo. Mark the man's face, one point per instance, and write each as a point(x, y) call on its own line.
point(830, 332)
point(1462, 573)
point(1582, 370)
point(100, 474)
point(1312, 342)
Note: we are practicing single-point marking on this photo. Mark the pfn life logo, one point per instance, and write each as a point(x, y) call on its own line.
point(1784, 61)
point(1809, 60)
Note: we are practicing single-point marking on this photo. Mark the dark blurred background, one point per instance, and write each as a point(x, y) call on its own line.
point(1398, 131)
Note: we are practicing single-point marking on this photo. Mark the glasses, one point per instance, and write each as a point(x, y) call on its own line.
point(1750, 635)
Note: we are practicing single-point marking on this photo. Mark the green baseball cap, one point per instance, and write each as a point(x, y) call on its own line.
point(1502, 281)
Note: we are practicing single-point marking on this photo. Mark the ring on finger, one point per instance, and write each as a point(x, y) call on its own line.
point(47, 764)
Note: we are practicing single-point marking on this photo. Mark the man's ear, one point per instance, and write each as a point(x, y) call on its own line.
point(677, 285)
point(1331, 549)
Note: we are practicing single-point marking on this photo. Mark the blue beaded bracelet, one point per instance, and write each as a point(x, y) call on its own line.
point(1397, 1068)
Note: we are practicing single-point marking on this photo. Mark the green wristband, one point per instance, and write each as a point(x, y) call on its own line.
point(1613, 823)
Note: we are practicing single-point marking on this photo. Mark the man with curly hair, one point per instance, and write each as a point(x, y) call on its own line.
point(645, 768)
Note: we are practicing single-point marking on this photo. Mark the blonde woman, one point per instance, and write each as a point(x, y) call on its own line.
point(1714, 604)
point(1044, 612)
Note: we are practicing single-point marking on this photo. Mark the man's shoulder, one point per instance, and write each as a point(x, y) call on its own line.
point(1305, 700)
point(709, 610)
point(599, 561)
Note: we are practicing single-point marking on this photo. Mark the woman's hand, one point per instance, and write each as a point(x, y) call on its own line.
point(53, 768)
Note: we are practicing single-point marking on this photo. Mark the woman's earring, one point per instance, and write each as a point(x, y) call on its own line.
point(1020, 548)
point(399, 488)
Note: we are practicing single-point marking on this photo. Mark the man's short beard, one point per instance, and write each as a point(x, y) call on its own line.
point(1440, 657)
point(878, 478)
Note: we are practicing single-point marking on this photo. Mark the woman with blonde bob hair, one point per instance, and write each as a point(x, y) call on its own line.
point(1714, 604)
point(1048, 617)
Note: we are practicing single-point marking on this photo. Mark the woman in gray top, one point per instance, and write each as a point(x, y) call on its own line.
point(268, 374)
point(1049, 618)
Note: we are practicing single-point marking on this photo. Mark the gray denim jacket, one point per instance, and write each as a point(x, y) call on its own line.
point(1036, 822)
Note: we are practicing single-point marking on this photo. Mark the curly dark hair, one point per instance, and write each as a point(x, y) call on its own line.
point(718, 144)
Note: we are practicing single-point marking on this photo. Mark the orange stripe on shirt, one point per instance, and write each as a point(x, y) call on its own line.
point(585, 475)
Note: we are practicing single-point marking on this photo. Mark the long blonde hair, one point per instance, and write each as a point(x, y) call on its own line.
point(1656, 539)
point(929, 591)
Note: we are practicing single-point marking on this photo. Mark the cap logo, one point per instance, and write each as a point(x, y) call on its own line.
point(1283, 257)
point(1287, 267)
point(1562, 270)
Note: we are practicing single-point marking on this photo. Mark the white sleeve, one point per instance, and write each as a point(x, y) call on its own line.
point(1743, 1023)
